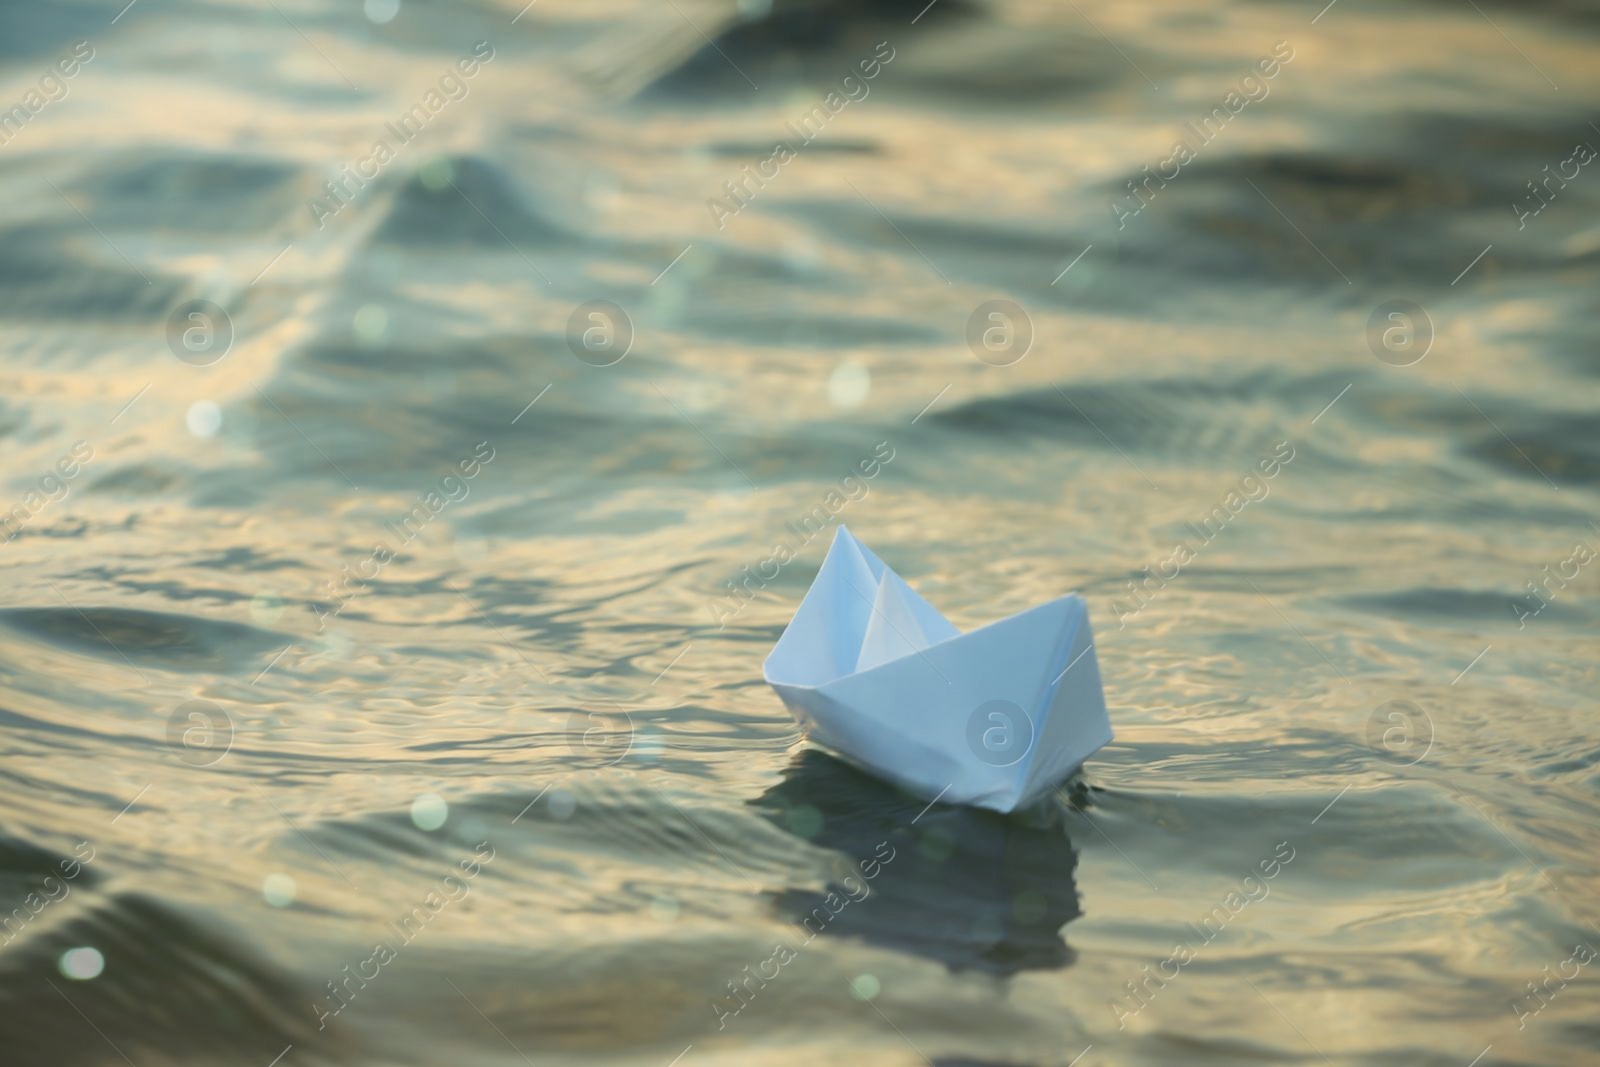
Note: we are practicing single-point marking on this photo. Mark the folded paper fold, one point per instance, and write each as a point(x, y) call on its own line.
point(995, 718)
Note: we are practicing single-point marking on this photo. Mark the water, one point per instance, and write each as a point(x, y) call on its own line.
point(493, 778)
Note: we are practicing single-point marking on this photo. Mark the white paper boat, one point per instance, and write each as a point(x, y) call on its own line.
point(995, 718)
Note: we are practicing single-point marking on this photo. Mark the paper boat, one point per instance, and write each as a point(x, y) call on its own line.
point(994, 718)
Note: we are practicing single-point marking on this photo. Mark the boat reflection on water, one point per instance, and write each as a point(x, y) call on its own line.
point(971, 888)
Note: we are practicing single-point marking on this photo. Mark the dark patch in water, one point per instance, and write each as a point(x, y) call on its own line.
point(805, 40)
point(154, 638)
point(1468, 609)
point(64, 270)
point(174, 988)
point(24, 867)
point(1563, 448)
point(191, 193)
point(477, 206)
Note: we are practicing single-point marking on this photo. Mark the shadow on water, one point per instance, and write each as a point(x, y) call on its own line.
point(806, 40)
point(972, 889)
point(173, 987)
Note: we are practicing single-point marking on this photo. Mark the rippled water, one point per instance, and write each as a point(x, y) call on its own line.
point(373, 690)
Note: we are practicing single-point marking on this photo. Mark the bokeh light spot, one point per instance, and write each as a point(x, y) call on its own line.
point(204, 418)
point(561, 804)
point(865, 986)
point(429, 811)
point(849, 385)
point(82, 964)
point(278, 890)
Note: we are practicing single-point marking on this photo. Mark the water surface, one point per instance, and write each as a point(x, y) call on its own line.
point(356, 757)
